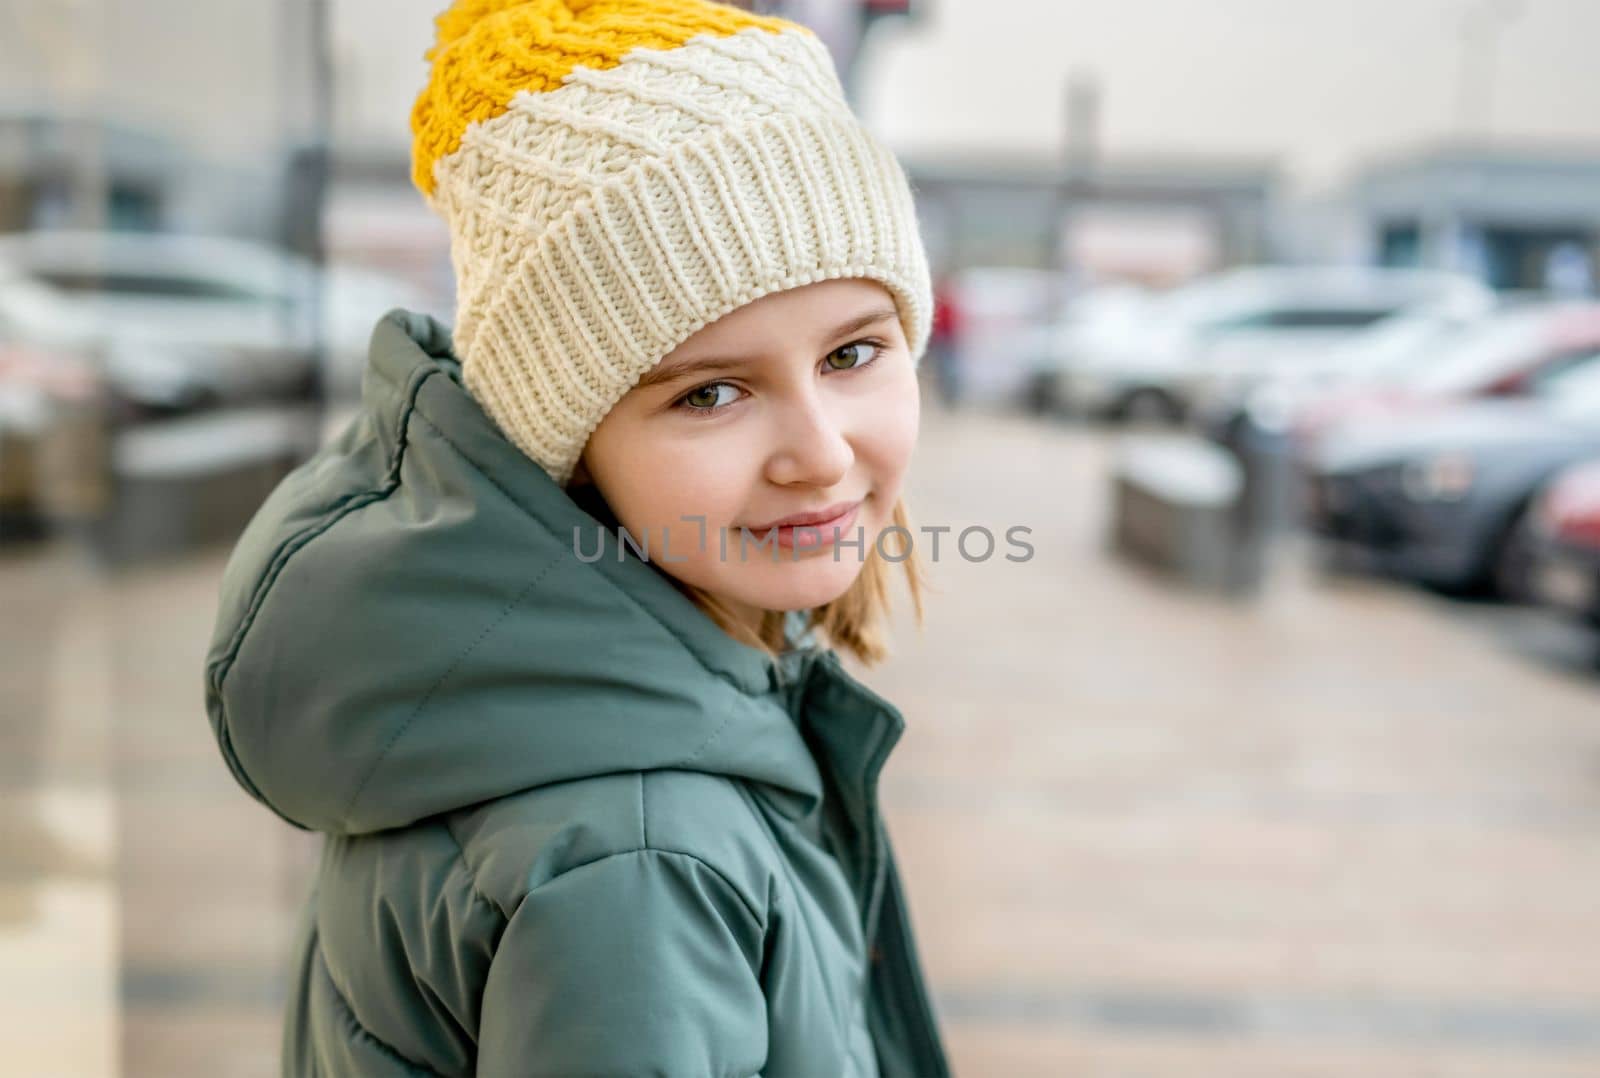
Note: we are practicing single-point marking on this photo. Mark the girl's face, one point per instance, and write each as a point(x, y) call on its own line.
point(800, 402)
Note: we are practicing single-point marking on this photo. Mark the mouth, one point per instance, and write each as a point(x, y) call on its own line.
point(806, 530)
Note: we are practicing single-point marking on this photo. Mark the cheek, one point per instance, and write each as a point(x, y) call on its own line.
point(706, 473)
point(889, 436)
point(688, 490)
point(662, 470)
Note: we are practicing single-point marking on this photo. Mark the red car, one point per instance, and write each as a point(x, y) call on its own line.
point(1503, 355)
point(1566, 570)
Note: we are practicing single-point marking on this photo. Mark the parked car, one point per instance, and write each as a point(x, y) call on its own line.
point(1098, 313)
point(1369, 360)
point(1566, 549)
point(1503, 354)
point(113, 341)
point(1219, 335)
point(180, 322)
point(1444, 498)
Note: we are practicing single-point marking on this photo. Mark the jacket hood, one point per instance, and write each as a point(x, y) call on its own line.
point(406, 627)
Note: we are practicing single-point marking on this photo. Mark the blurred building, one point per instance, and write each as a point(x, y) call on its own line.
point(1515, 218)
point(374, 216)
point(41, 161)
point(1157, 220)
point(167, 114)
point(53, 163)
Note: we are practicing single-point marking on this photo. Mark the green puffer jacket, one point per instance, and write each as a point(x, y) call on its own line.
point(571, 826)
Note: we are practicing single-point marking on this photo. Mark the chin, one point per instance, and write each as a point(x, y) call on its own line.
point(800, 585)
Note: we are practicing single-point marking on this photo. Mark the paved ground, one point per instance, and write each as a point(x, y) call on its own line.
point(1342, 829)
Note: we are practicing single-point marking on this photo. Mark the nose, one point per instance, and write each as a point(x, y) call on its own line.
point(813, 444)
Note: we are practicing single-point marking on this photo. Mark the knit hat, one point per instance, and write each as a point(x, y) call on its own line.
point(616, 174)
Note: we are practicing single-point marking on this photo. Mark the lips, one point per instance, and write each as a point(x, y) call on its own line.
point(810, 535)
point(825, 515)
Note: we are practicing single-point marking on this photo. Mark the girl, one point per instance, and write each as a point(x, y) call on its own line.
point(544, 641)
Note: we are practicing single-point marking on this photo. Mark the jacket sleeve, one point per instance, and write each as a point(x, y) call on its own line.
point(641, 963)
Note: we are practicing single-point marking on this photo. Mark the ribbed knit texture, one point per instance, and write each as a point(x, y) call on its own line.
point(623, 195)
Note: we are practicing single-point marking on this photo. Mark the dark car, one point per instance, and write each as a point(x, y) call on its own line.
point(1566, 545)
point(1444, 499)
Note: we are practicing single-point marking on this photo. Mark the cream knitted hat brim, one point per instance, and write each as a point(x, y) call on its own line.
point(597, 225)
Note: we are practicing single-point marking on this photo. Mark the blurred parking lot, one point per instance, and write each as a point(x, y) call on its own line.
point(1341, 828)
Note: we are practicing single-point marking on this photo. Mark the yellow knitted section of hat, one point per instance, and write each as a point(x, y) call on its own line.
point(486, 51)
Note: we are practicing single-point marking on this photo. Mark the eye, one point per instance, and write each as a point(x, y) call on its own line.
point(705, 398)
point(851, 354)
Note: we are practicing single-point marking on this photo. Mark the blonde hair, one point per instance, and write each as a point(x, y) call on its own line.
point(855, 622)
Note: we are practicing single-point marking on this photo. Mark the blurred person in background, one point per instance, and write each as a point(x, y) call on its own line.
point(587, 813)
point(942, 346)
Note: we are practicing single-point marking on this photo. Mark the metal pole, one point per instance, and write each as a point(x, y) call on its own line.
point(1079, 164)
point(306, 98)
point(83, 64)
point(321, 140)
point(1480, 23)
point(65, 38)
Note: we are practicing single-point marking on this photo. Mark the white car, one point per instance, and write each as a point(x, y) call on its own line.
point(1218, 336)
point(1371, 358)
point(179, 321)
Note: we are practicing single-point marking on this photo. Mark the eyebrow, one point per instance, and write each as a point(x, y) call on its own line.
point(709, 364)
